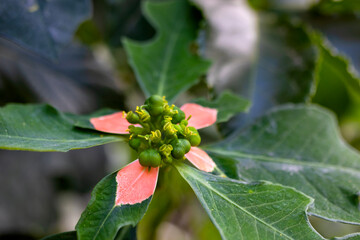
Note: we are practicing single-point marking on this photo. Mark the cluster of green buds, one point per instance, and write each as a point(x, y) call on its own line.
point(160, 133)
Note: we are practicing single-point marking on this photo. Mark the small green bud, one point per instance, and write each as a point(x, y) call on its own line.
point(184, 123)
point(186, 144)
point(150, 158)
point(135, 143)
point(179, 116)
point(192, 135)
point(155, 110)
point(179, 148)
point(132, 117)
point(178, 152)
point(155, 100)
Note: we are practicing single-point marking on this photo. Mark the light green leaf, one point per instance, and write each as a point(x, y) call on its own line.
point(43, 128)
point(102, 219)
point(297, 146)
point(227, 105)
point(165, 65)
point(251, 210)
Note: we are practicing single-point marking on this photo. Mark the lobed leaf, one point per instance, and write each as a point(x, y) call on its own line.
point(165, 65)
point(297, 146)
point(42, 128)
point(251, 210)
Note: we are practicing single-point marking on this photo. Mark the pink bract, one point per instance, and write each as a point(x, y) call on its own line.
point(135, 183)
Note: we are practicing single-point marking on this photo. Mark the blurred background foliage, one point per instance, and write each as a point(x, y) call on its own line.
point(269, 51)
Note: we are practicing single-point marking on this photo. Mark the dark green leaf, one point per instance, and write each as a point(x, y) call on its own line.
point(227, 105)
point(165, 65)
point(42, 26)
point(102, 219)
point(297, 146)
point(43, 128)
point(251, 210)
point(62, 236)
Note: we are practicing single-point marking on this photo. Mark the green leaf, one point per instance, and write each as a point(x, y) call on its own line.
point(102, 219)
point(165, 65)
point(336, 76)
point(62, 236)
point(227, 105)
point(42, 26)
point(251, 210)
point(43, 128)
point(297, 146)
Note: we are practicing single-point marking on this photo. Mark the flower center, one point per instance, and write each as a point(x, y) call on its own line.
point(161, 134)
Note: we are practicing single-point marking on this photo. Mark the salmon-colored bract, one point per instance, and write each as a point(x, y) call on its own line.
point(113, 123)
point(200, 116)
point(135, 183)
point(200, 159)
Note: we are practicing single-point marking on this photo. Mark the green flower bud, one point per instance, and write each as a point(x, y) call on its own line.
point(180, 147)
point(155, 110)
point(155, 100)
point(192, 135)
point(185, 144)
point(184, 123)
point(135, 143)
point(132, 117)
point(178, 152)
point(150, 158)
point(179, 116)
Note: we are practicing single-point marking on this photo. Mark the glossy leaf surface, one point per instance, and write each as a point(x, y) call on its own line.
point(297, 146)
point(165, 65)
point(251, 211)
point(43, 128)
